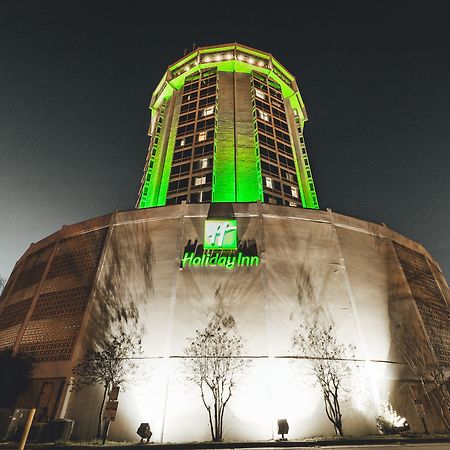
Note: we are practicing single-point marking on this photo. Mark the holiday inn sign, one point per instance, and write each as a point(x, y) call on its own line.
point(220, 247)
point(220, 235)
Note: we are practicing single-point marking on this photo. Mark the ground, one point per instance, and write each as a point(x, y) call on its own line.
point(417, 442)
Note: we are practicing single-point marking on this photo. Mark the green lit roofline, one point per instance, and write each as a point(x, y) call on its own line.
point(228, 58)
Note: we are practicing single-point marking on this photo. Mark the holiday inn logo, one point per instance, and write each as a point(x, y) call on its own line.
point(216, 259)
point(220, 235)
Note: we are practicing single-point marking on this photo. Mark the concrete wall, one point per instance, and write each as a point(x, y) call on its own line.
point(313, 264)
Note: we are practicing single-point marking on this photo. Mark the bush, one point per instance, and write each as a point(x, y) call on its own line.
point(388, 421)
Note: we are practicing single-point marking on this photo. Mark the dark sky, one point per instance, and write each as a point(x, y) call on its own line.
point(76, 79)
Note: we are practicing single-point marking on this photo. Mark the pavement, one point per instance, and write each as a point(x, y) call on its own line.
point(416, 442)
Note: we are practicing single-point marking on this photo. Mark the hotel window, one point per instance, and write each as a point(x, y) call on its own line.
point(201, 164)
point(277, 104)
point(208, 111)
point(197, 197)
point(201, 136)
point(294, 191)
point(263, 115)
point(269, 182)
point(199, 181)
point(260, 94)
point(206, 149)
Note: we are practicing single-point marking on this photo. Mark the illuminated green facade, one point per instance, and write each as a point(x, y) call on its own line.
point(227, 126)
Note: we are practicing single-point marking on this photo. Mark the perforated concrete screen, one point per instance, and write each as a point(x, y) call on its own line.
point(430, 300)
point(58, 281)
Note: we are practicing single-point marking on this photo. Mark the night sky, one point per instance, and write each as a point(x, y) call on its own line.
point(76, 79)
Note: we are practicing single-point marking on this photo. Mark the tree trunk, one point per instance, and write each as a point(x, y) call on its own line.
point(99, 425)
point(105, 431)
point(441, 411)
point(433, 404)
point(216, 420)
point(338, 426)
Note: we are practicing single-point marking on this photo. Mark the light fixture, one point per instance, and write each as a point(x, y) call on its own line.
point(283, 428)
point(144, 432)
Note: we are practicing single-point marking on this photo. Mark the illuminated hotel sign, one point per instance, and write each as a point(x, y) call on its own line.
point(220, 235)
point(220, 248)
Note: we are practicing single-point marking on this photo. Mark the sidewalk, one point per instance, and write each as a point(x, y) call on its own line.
point(346, 441)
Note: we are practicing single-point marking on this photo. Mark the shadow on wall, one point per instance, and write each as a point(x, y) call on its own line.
point(418, 369)
point(125, 281)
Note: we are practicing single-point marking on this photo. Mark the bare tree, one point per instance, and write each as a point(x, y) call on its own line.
point(114, 364)
point(330, 363)
point(2, 284)
point(419, 355)
point(214, 363)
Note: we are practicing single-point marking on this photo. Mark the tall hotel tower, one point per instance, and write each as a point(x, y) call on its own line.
point(227, 224)
point(227, 126)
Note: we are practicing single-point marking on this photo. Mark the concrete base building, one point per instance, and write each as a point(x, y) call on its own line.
point(382, 293)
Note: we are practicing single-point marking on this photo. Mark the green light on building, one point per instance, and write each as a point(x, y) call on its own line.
point(227, 126)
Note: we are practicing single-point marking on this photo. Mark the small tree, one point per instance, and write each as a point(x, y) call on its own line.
point(214, 364)
point(329, 364)
point(419, 355)
point(114, 364)
point(15, 376)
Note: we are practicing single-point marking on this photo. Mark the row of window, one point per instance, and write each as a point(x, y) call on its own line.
point(262, 91)
point(265, 116)
point(203, 196)
point(197, 165)
point(265, 99)
point(199, 83)
point(202, 150)
point(196, 114)
point(276, 200)
point(275, 110)
point(276, 185)
point(182, 184)
point(201, 136)
point(271, 131)
point(206, 92)
point(187, 153)
point(188, 129)
point(272, 156)
point(193, 106)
